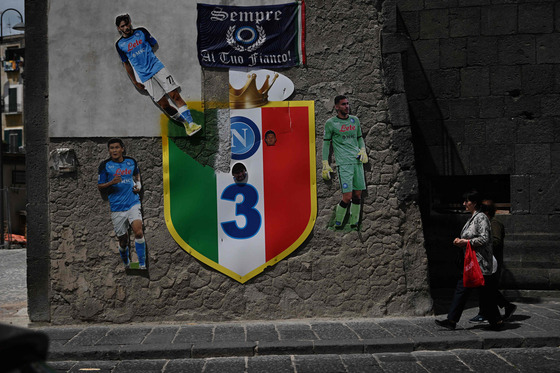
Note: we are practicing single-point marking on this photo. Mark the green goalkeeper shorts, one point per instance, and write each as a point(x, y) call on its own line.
point(351, 177)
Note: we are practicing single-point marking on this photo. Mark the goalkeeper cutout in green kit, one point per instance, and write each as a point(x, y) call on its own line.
point(345, 134)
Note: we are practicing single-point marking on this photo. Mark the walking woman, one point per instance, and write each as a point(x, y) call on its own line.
point(477, 230)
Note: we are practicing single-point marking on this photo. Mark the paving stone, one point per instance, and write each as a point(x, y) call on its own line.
point(184, 365)
point(122, 336)
point(368, 329)
point(436, 361)
point(262, 332)
point(333, 330)
point(270, 364)
point(61, 366)
point(482, 361)
point(62, 335)
point(225, 365)
point(89, 336)
point(144, 366)
point(361, 363)
point(540, 339)
point(399, 362)
point(194, 333)
point(161, 335)
point(298, 332)
point(322, 363)
point(532, 360)
point(403, 328)
point(224, 333)
point(91, 366)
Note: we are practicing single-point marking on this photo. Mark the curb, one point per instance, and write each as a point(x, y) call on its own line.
point(321, 347)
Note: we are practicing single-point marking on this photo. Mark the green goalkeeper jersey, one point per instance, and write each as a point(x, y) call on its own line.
point(346, 137)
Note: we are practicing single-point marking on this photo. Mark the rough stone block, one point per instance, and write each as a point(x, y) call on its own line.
point(492, 107)
point(555, 158)
point(499, 20)
point(482, 51)
point(428, 52)
point(547, 48)
point(394, 79)
point(545, 198)
point(504, 79)
point(394, 42)
point(491, 159)
point(434, 24)
point(412, 23)
point(398, 111)
point(535, 18)
point(453, 52)
point(446, 83)
point(551, 105)
point(523, 107)
point(475, 82)
point(475, 132)
point(464, 22)
point(410, 5)
point(516, 50)
point(538, 130)
point(501, 131)
point(536, 79)
point(532, 159)
point(463, 108)
point(436, 4)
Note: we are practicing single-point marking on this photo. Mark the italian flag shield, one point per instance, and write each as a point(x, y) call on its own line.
point(241, 224)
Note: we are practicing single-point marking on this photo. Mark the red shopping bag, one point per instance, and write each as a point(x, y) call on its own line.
point(472, 275)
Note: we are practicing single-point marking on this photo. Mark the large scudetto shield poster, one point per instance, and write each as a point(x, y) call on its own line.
point(241, 224)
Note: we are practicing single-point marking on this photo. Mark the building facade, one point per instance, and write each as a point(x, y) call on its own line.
point(13, 157)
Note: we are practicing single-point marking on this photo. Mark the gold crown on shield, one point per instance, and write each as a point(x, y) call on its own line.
point(250, 96)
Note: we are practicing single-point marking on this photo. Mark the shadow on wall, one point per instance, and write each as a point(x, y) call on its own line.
point(435, 155)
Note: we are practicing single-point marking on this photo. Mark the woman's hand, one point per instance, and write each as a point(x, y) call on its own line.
point(461, 242)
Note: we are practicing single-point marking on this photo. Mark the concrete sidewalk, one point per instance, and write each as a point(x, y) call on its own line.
point(533, 325)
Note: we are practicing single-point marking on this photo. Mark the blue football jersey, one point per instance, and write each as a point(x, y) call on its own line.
point(121, 196)
point(138, 50)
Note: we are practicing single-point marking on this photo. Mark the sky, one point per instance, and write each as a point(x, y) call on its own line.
point(11, 18)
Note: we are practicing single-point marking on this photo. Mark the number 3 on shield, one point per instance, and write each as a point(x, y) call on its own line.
point(245, 208)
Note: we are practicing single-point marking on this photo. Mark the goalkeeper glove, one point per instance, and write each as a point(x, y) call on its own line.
point(362, 156)
point(327, 170)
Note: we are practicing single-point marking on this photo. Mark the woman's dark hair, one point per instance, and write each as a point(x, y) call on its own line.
point(474, 197)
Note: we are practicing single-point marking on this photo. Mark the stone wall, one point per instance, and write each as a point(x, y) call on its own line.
point(380, 271)
point(483, 83)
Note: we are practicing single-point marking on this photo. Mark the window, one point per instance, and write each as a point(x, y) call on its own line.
point(18, 177)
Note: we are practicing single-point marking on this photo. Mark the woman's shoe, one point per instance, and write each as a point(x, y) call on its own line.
point(495, 327)
point(446, 324)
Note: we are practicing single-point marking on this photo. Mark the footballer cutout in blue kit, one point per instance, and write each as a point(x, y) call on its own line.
point(136, 51)
point(119, 177)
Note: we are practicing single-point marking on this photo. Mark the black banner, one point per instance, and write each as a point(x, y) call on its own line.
point(250, 36)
